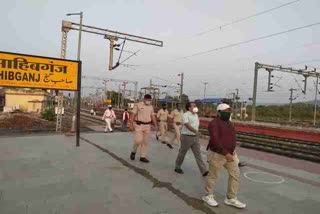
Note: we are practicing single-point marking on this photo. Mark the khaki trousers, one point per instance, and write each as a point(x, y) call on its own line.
point(163, 131)
point(177, 133)
point(141, 139)
point(216, 162)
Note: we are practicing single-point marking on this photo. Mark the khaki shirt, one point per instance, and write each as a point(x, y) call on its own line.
point(144, 112)
point(176, 115)
point(163, 115)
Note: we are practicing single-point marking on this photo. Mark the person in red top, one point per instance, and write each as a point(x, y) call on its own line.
point(221, 153)
point(125, 119)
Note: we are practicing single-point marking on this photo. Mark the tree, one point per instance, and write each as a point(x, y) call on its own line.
point(185, 99)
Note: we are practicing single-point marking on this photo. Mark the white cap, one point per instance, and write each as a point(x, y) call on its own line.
point(222, 107)
point(109, 106)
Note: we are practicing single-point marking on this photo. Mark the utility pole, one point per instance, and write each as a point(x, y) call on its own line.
point(77, 95)
point(152, 94)
point(316, 102)
point(119, 90)
point(236, 103)
point(270, 68)
point(204, 96)
point(124, 92)
point(291, 99)
point(205, 89)
point(233, 102)
point(254, 95)
point(181, 85)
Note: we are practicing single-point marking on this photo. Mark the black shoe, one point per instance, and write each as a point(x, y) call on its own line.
point(178, 170)
point(205, 174)
point(144, 160)
point(157, 137)
point(163, 142)
point(241, 164)
point(132, 155)
point(170, 146)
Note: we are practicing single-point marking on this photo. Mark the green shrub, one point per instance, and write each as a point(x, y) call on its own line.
point(48, 114)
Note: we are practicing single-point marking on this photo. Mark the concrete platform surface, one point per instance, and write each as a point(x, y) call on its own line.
point(48, 174)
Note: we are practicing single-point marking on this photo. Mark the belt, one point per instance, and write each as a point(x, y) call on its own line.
point(163, 121)
point(142, 123)
point(189, 135)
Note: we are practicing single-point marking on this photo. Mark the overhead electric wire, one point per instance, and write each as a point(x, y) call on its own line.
point(276, 51)
point(247, 41)
point(298, 84)
point(303, 62)
point(239, 43)
point(165, 80)
point(245, 18)
point(134, 54)
point(124, 42)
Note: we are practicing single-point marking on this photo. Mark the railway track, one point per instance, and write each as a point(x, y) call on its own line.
point(287, 147)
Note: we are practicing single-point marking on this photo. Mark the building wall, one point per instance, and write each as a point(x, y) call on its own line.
point(23, 98)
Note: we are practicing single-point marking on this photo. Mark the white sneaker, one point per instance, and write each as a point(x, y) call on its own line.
point(235, 202)
point(209, 199)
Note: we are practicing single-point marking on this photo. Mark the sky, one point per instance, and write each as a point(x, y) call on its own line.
point(34, 27)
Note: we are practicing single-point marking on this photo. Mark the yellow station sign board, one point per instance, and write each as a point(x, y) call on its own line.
point(20, 70)
point(107, 100)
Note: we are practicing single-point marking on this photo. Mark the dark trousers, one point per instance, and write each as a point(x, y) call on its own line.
point(125, 126)
point(192, 142)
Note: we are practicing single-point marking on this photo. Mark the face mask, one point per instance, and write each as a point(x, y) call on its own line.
point(195, 110)
point(147, 102)
point(179, 108)
point(225, 115)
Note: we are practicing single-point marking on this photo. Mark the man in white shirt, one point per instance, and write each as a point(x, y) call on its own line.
point(190, 139)
point(109, 116)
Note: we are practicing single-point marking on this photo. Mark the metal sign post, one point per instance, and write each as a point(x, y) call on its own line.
point(78, 106)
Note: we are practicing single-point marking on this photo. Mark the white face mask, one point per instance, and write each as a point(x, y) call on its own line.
point(147, 102)
point(195, 110)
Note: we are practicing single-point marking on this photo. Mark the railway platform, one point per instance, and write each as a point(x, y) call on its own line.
point(48, 174)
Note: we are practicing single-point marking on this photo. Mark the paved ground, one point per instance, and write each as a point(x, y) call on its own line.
point(48, 174)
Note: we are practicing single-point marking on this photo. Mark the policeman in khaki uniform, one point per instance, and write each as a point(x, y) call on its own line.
point(163, 117)
point(143, 116)
point(176, 116)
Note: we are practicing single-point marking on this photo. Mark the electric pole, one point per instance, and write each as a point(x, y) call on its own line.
point(254, 94)
point(291, 99)
point(205, 89)
point(119, 91)
point(124, 92)
point(236, 103)
point(316, 102)
point(233, 102)
point(181, 85)
point(77, 95)
point(270, 68)
point(204, 96)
